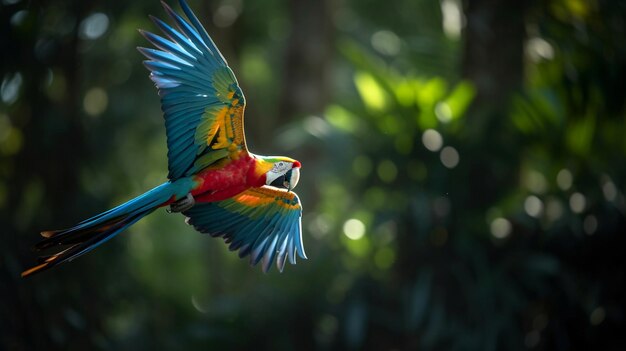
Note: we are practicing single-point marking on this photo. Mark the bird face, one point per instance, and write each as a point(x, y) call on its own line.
point(284, 174)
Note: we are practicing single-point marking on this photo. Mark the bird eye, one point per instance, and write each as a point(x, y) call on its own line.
point(280, 164)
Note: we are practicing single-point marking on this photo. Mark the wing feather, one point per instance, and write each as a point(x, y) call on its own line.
point(202, 32)
point(263, 223)
point(200, 96)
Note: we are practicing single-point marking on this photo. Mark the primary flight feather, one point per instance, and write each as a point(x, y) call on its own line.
point(222, 188)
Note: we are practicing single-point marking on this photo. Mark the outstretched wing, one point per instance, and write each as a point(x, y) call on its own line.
point(200, 97)
point(261, 222)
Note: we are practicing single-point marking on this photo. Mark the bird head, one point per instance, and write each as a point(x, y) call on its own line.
point(285, 173)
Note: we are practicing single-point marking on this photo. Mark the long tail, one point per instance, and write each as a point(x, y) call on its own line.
point(67, 244)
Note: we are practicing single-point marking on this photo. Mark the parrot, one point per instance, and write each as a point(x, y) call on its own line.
point(222, 188)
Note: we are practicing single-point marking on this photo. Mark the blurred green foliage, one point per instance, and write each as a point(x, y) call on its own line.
point(436, 216)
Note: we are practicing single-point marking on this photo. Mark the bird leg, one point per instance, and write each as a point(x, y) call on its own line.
point(183, 204)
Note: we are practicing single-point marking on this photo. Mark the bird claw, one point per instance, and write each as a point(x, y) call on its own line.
point(182, 205)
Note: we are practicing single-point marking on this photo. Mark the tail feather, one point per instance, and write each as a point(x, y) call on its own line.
point(68, 244)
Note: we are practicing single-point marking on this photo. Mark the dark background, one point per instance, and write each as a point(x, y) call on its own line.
point(463, 177)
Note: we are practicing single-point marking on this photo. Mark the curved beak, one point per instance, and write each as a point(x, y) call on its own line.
point(293, 176)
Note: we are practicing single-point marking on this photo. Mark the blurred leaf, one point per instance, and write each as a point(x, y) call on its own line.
point(580, 134)
point(404, 93)
point(341, 118)
point(427, 95)
point(430, 92)
point(460, 98)
point(373, 95)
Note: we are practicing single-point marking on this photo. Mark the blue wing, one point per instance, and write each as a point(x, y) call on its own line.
point(264, 223)
point(200, 97)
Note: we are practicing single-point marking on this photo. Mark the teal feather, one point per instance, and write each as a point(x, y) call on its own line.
point(87, 235)
point(167, 45)
point(267, 231)
point(202, 32)
point(192, 77)
point(158, 55)
point(176, 37)
point(185, 27)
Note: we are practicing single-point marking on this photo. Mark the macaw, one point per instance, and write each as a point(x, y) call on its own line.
point(223, 189)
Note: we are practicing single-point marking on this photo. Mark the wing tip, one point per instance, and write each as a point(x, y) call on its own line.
point(154, 20)
point(35, 269)
point(183, 5)
point(167, 7)
point(143, 50)
point(144, 33)
point(160, 24)
point(280, 261)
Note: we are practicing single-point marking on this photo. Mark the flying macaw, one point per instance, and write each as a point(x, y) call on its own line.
point(223, 189)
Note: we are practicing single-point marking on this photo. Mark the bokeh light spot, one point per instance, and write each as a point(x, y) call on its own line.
point(597, 316)
point(564, 179)
point(96, 101)
point(533, 206)
point(577, 202)
point(386, 42)
point(94, 26)
point(452, 18)
point(590, 224)
point(538, 48)
point(18, 18)
point(319, 226)
point(554, 209)
point(197, 304)
point(354, 229)
point(500, 228)
point(10, 88)
point(387, 171)
point(449, 157)
point(443, 112)
point(316, 126)
point(432, 140)
point(225, 15)
point(609, 189)
point(536, 182)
